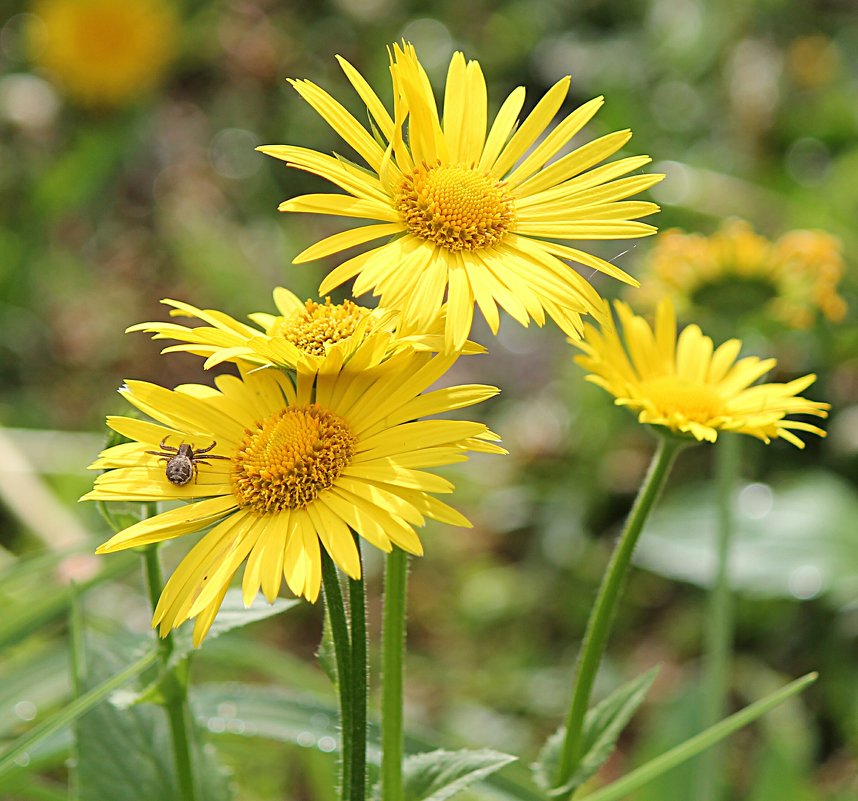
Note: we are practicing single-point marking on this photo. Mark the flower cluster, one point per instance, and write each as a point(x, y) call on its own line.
point(322, 434)
point(737, 272)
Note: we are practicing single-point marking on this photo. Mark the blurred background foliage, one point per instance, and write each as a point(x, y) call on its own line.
point(121, 185)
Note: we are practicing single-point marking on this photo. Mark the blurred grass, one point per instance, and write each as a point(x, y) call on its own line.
point(749, 109)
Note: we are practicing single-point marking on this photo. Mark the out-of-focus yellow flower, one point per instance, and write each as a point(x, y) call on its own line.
point(687, 385)
point(735, 272)
point(103, 52)
point(813, 61)
point(284, 465)
point(469, 208)
point(303, 333)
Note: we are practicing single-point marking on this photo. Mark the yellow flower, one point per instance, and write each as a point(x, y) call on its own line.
point(689, 386)
point(465, 208)
point(737, 271)
point(283, 466)
point(303, 333)
point(103, 52)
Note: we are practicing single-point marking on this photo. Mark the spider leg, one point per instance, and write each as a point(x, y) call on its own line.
point(162, 455)
point(206, 450)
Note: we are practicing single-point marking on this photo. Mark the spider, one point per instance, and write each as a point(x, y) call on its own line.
point(182, 461)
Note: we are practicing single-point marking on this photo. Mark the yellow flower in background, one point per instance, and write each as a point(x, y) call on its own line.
point(304, 333)
point(736, 270)
point(283, 466)
point(465, 208)
point(103, 52)
point(687, 385)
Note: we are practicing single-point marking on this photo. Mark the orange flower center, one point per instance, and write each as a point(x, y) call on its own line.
point(290, 458)
point(317, 325)
point(456, 207)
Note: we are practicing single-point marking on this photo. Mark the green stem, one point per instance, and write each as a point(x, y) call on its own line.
point(604, 608)
point(175, 689)
point(342, 651)
point(359, 682)
point(393, 647)
point(718, 622)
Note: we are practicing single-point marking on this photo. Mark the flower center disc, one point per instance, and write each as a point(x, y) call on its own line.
point(673, 397)
point(316, 325)
point(291, 458)
point(456, 207)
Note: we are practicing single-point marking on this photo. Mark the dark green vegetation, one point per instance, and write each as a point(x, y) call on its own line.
point(750, 109)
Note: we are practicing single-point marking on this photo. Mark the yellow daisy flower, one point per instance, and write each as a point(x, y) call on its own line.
point(737, 271)
point(467, 209)
point(687, 385)
point(278, 467)
point(103, 52)
point(303, 333)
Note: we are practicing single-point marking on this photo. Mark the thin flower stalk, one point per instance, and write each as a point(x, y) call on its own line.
point(718, 622)
point(604, 609)
point(342, 654)
point(393, 653)
point(174, 688)
point(359, 678)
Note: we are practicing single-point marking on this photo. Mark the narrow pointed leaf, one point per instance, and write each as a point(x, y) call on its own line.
point(439, 775)
point(624, 787)
point(602, 727)
point(74, 710)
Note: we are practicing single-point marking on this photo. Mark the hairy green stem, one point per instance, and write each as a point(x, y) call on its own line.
point(342, 652)
point(359, 682)
point(392, 656)
point(718, 622)
point(604, 608)
point(175, 689)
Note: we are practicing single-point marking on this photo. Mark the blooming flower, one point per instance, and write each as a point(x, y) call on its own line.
point(687, 385)
point(467, 209)
point(306, 333)
point(104, 53)
point(737, 271)
point(283, 466)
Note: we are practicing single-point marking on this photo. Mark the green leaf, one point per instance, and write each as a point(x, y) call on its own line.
point(697, 744)
point(233, 614)
point(74, 710)
point(127, 755)
point(32, 597)
point(326, 653)
point(602, 727)
point(254, 710)
point(439, 775)
point(309, 720)
point(794, 538)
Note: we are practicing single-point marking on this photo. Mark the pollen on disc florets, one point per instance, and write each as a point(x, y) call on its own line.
point(457, 207)
point(289, 458)
point(316, 325)
point(675, 397)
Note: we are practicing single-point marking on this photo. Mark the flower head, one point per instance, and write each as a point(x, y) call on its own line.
point(305, 333)
point(103, 52)
point(687, 385)
point(280, 466)
point(736, 272)
point(467, 209)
